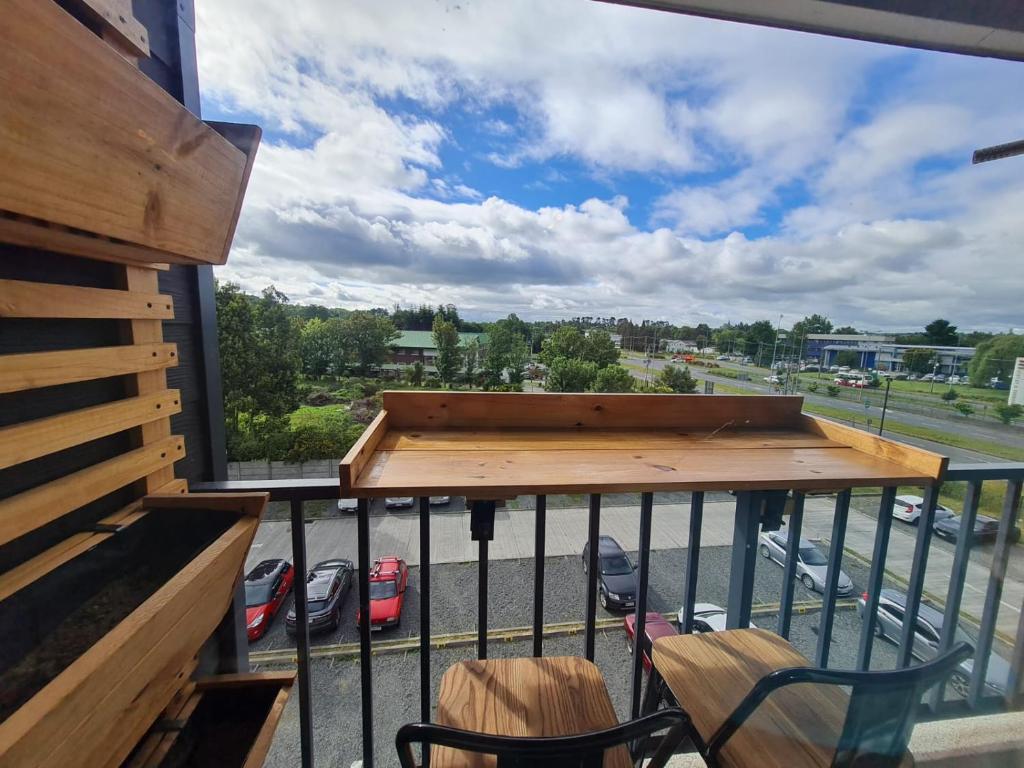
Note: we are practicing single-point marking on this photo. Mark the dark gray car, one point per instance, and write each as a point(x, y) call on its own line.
point(327, 584)
point(616, 580)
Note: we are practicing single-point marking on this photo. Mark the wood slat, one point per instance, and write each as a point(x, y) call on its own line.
point(45, 369)
point(38, 506)
point(248, 504)
point(19, 298)
point(261, 744)
point(118, 24)
point(108, 151)
point(359, 454)
point(32, 233)
point(32, 439)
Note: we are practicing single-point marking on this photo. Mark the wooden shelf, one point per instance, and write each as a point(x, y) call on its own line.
point(499, 445)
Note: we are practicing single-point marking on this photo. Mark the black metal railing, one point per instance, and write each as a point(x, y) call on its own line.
point(753, 510)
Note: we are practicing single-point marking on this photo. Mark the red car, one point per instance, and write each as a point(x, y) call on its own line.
point(266, 587)
point(655, 626)
point(388, 580)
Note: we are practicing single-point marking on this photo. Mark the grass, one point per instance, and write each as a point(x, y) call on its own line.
point(326, 416)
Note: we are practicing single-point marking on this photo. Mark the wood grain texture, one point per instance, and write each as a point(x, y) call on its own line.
point(248, 504)
point(107, 151)
point(32, 233)
point(46, 369)
point(552, 696)
point(19, 298)
point(31, 439)
point(31, 509)
point(118, 22)
point(602, 411)
point(361, 452)
point(797, 726)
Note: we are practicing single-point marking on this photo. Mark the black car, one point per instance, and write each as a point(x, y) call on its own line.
point(985, 528)
point(327, 584)
point(616, 581)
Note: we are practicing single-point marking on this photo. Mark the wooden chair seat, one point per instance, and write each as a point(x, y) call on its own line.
point(797, 726)
point(553, 696)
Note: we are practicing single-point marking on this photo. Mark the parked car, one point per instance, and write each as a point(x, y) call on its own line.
point(722, 357)
point(616, 580)
point(266, 588)
point(398, 502)
point(833, 369)
point(388, 579)
point(773, 379)
point(811, 566)
point(954, 379)
point(985, 528)
point(892, 605)
point(810, 368)
point(912, 377)
point(327, 585)
point(348, 505)
point(707, 617)
point(908, 509)
point(748, 360)
point(655, 626)
point(928, 377)
point(940, 378)
point(440, 501)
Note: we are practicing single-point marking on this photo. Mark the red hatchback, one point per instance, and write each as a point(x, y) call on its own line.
point(655, 626)
point(388, 580)
point(266, 587)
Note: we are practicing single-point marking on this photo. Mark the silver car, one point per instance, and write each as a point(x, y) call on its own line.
point(811, 566)
point(707, 617)
point(891, 607)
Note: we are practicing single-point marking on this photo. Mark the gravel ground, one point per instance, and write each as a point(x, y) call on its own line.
point(336, 682)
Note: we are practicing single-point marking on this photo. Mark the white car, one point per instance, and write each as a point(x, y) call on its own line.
point(348, 505)
point(398, 502)
point(707, 617)
point(440, 501)
point(908, 509)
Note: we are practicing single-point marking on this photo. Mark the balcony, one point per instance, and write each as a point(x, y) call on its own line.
point(598, 448)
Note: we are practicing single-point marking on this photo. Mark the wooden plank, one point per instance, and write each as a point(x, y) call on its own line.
point(249, 504)
point(261, 744)
point(45, 369)
point(506, 473)
point(177, 486)
point(37, 506)
point(119, 23)
point(932, 465)
point(360, 453)
point(551, 696)
point(33, 233)
point(593, 439)
point(107, 151)
point(246, 138)
point(19, 298)
point(245, 680)
point(602, 411)
point(31, 439)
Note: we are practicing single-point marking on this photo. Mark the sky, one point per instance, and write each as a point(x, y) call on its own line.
point(567, 157)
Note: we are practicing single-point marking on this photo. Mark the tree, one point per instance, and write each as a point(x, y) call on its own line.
point(367, 339)
point(600, 349)
point(919, 360)
point(950, 395)
point(677, 379)
point(567, 342)
point(414, 374)
point(470, 357)
point(846, 330)
point(758, 336)
point(1007, 413)
point(811, 324)
point(507, 350)
point(940, 333)
point(321, 346)
point(995, 358)
point(570, 375)
point(613, 378)
point(516, 358)
point(847, 357)
point(449, 354)
point(966, 409)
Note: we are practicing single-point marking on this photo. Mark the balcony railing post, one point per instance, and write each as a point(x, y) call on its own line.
point(298, 524)
point(835, 559)
point(915, 585)
point(874, 588)
point(744, 559)
point(796, 520)
point(593, 542)
point(540, 528)
point(481, 525)
point(640, 614)
point(692, 561)
point(425, 697)
point(363, 544)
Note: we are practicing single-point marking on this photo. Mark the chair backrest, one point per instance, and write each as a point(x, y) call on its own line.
point(881, 714)
point(585, 750)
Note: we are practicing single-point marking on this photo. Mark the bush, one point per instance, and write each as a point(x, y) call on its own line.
point(832, 390)
point(677, 379)
point(812, 387)
point(504, 388)
point(1007, 413)
point(965, 409)
point(570, 375)
point(950, 395)
point(614, 378)
point(652, 389)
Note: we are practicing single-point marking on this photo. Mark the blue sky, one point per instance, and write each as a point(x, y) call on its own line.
point(571, 157)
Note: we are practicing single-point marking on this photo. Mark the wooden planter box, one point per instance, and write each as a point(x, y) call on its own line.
point(498, 445)
point(103, 636)
point(89, 143)
point(226, 721)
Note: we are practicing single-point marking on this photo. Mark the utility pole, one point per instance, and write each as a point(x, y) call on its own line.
point(885, 404)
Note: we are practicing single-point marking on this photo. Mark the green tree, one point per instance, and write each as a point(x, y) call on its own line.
point(848, 358)
point(995, 358)
point(614, 378)
point(677, 379)
point(811, 324)
point(321, 345)
point(470, 358)
point(1007, 413)
point(758, 336)
point(507, 350)
point(950, 395)
point(449, 355)
point(516, 358)
point(846, 330)
point(940, 333)
point(567, 343)
point(600, 349)
point(919, 361)
point(274, 372)
point(965, 408)
point(570, 375)
point(414, 374)
point(367, 338)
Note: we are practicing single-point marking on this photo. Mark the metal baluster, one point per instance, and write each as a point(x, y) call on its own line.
point(302, 632)
point(540, 527)
point(915, 586)
point(692, 561)
point(835, 560)
point(363, 537)
point(425, 697)
point(796, 521)
point(592, 568)
point(957, 577)
point(640, 615)
point(994, 594)
point(874, 588)
point(744, 559)
point(481, 614)
point(1016, 666)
